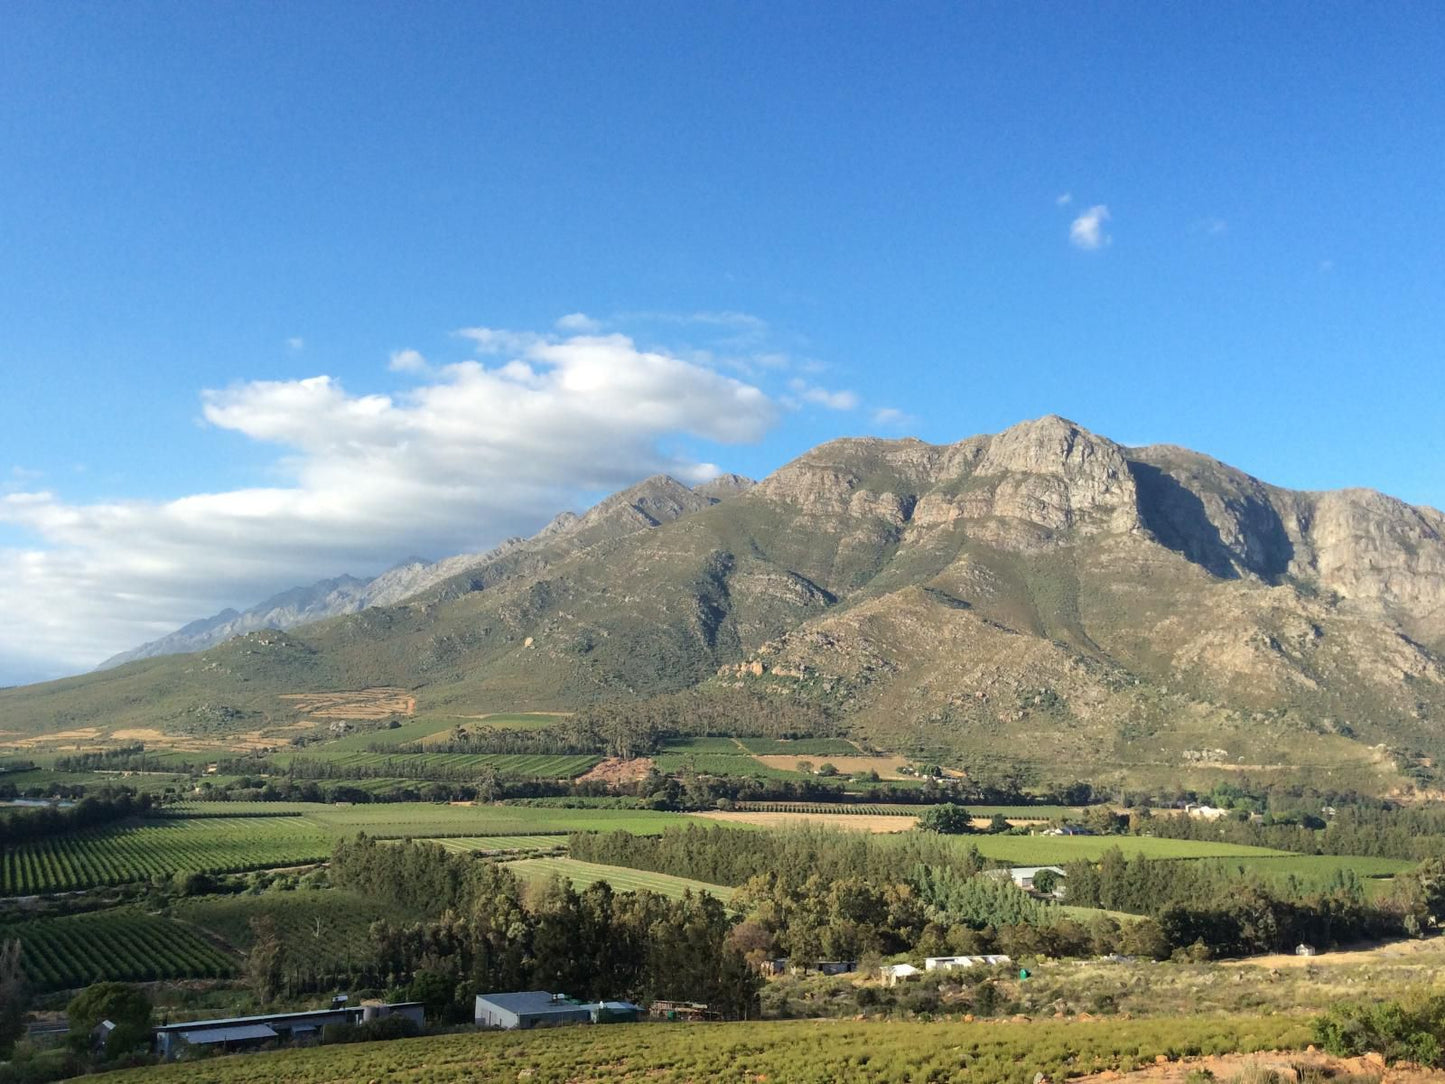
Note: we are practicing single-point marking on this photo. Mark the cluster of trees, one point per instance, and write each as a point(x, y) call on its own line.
point(482, 931)
point(105, 807)
point(731, 856)
point(1218, 907)
point(1372, 829)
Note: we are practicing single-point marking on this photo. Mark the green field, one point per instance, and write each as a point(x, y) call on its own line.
point(1053, 850)
point(621, 878)
point(321, 931)
point(282, 834)
point(1318, 871)
point(159, 848)
point(793, 1052)
point(449, 765)
point(502, 844)
point(904, 809)
point(722, 764)
point(121, 944)
point(802, 747)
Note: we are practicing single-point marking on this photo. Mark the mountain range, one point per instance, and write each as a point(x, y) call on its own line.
point(1042, 601)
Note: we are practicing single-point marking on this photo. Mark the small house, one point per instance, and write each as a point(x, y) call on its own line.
point(529, 1009)
point(1023, 876)
point(1305, 949)
point(893, 974)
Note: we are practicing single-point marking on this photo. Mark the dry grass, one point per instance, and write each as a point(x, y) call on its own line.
point(379, 703)
point(857, 822)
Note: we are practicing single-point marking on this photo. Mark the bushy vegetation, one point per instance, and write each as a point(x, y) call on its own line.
point(1409, 1030)
point(800, 1052)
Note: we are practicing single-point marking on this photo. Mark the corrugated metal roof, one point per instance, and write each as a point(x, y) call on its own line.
point(531, 1002)
point(229, 1035)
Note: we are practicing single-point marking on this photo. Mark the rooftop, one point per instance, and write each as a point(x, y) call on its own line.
point(531, 1002)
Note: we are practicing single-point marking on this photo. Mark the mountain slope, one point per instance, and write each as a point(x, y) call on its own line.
point(650, 503)
point(1042, 602)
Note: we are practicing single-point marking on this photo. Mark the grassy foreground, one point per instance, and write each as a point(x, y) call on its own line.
point(800, 1052)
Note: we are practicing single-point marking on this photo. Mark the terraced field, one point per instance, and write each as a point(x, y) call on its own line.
point(123, 945)
point(621, 878)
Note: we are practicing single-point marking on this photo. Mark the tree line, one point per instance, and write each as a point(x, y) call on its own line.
point(105, 807)
point(484, 932)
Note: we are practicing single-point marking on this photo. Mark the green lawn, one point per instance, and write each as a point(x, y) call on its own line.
point(621, 878)
point(1053, 850)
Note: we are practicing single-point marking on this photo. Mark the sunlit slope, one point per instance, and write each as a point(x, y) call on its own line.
point(1042, 597)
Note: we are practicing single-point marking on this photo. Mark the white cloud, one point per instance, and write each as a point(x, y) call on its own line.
point(1326, 266)
point(475, 453)
point(580, 323)
point(892, 418)
point(407, 361)
point(833, 400)
point(1064, 200)
point(1087, 231)
point(296, 343)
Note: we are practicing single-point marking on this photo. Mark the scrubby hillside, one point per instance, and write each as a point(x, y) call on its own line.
point(1041, 601)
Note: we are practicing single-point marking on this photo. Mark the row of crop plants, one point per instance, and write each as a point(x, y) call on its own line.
point(121, 945)
point(119, 855)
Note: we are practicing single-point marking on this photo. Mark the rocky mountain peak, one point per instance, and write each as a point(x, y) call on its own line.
point(724, 486)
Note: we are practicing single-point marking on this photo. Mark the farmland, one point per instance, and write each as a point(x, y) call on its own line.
point(1053, 850)
point(448, 765)
point(620, 878)
point(800, 1052)
point(320, 931)
point(277, 834)
point(120, 944)
point(159, 847)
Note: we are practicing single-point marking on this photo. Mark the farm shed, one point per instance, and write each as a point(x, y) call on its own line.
point(249, 1032)
point(1023, 876)
point(893, 974)
point(943, 963)
point(529, 1009)
point(1306, 949)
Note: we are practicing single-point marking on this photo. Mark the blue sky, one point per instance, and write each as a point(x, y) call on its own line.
point(834, 219)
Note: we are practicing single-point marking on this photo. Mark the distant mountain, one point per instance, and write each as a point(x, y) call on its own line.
point(651, 502)
point(1041, 603)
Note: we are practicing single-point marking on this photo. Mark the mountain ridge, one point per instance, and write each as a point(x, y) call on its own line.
point(1035, 601)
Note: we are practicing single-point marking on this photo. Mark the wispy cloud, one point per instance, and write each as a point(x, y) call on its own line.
point(1064, 199)
point(579, 323)
point(823, 397)
point(407, 361)
point(892, 418)
point(296, 344)
point(472, 453)
point(1213, 226)
point(1087, 231)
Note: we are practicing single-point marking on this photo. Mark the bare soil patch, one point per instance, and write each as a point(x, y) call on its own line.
point(1286, 1063)
point(139, 733)
point(615, 770)
point(886, 767)
point(379, 703)
point(1366, 952)
point(856, 822)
